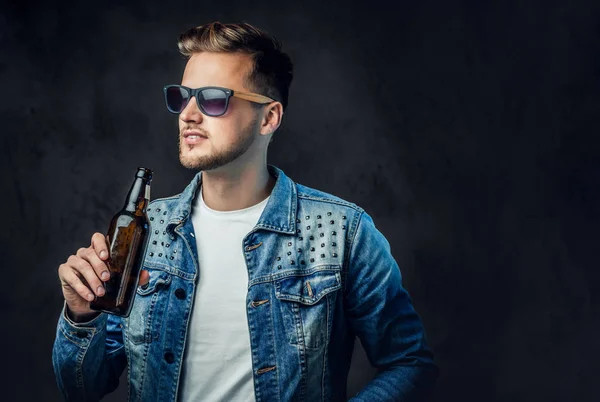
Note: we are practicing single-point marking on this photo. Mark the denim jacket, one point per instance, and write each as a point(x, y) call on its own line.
point(320, 274)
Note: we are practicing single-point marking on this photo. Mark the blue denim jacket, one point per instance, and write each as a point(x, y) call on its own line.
point(320, 273)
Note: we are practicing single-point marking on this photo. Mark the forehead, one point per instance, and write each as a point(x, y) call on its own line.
point(227, 70)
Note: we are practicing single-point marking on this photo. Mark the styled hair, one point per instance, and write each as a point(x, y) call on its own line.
point(273, 70)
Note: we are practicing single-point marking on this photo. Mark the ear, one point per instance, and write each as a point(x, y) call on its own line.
point(272, 116)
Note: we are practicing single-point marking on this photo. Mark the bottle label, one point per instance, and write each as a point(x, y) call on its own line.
point(147, 196)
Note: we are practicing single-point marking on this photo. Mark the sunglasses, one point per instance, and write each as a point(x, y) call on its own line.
point(212, 101)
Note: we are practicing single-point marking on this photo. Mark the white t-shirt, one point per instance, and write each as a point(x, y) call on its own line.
point(217, 364)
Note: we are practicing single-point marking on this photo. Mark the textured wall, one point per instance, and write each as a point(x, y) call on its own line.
point(467, 129)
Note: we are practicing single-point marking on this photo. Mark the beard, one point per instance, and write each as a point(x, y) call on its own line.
point(220, 158)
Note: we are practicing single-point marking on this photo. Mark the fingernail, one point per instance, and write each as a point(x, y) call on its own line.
point(90, 297)
point(105, 276)
point(100, 291)
point(102, 254)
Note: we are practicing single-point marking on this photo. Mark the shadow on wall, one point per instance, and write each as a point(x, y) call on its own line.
point(361, 371)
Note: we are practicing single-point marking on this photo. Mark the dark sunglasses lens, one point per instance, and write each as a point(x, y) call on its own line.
point(213, 101)
point(177, 99)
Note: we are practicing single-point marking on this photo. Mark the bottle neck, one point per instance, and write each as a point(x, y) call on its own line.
point(138, 197)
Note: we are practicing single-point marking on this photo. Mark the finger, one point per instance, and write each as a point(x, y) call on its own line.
point(84, 268)
point(68, 277)
point(94, 260)
point(144, 278)
point(100, 244)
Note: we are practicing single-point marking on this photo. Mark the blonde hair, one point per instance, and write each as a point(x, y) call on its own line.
point(273, 70)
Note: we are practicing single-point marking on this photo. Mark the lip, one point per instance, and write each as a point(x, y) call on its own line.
point(192, 137)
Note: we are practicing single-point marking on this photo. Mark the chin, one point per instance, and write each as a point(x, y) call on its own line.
point(189, 162)
point(187, 159)
point(191, 155)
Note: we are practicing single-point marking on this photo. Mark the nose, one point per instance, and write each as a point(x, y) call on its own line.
point(191, 112)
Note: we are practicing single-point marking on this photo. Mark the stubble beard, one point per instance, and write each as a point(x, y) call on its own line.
point(218, 158)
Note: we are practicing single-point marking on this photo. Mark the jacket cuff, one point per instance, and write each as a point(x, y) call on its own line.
point(80, 333)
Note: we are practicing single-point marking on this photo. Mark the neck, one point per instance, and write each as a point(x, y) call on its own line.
point(236, 189)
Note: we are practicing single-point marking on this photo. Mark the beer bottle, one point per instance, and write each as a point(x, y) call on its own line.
point(127, 238)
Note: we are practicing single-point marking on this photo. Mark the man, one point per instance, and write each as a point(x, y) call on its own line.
point(254, 287)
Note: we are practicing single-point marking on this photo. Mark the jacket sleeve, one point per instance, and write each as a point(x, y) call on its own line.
point(88, 358)
point(381, 314)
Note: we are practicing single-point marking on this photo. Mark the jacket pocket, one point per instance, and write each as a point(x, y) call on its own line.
point(142, 325)
point(306, 300)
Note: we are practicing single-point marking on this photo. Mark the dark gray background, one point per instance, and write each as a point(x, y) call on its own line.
point(467, 129)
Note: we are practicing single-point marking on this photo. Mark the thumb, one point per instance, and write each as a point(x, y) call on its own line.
point(144, 278)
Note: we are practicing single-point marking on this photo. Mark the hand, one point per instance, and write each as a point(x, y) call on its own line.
point(82, 277)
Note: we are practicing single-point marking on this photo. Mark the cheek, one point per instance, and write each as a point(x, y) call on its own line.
point(228, 128)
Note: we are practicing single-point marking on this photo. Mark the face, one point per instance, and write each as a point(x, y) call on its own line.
point(218, 141)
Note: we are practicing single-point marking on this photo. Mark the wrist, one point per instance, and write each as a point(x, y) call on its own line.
point(81, 317)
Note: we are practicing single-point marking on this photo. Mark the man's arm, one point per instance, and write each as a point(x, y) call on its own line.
point(88, 358)
point(382, 316)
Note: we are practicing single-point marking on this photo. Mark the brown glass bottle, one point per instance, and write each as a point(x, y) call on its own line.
point(127, 238)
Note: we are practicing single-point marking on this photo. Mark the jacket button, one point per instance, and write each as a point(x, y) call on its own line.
point(180, 294)
point(169, 357)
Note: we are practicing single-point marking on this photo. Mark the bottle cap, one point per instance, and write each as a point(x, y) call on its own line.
point(144, 173)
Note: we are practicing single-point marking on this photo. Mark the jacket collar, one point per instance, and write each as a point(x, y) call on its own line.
point(279, 214)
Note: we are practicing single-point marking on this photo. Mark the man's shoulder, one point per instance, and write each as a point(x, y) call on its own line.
point(312, 197)
point(165, 201)
point(163, 206)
